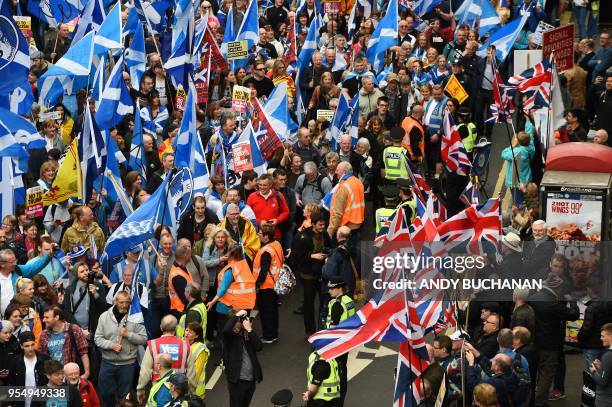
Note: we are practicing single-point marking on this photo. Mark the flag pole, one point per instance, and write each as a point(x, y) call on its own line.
point(516, 171)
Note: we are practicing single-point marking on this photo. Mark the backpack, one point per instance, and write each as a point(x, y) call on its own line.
point(285, 281)
point(319, 184)
point(523, 389)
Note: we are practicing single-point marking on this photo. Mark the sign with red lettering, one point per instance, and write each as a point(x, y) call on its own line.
point(561, 42)
point(242, 158)
point(574, 216)
point(331, 7)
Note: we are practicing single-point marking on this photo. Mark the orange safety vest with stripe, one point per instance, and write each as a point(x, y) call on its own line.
point(278, 258)
point(175, 300)
point(241, 292)
point(408, 124)
point(355, 205)
point(177, 348)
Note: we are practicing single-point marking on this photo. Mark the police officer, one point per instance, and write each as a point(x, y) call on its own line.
point(323, 382)
point(466, 129)
point(394, 159)
point(340, 307)
point(381, 216)
point(407, 202)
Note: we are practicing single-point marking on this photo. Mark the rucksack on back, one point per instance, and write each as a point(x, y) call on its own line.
point(523, 390)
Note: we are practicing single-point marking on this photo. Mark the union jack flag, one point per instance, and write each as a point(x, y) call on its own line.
point(452, 149)
point(477, 227)
point(502, 95)
point(438, 214)
point(409, 387)
point(470, 195)
point(535, 83)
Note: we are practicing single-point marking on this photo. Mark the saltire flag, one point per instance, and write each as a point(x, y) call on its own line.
point(504, 38)
point(352, 21)
point(383, 38)
point(318, 8)
point(110, 180)
point(489, 20)
point(303, 63)
point(24, 131)
point(229, 34)
point(91, 18)
point(11, 184)
point(109, 35)
point(188, 148)
point(138, 160)
point(477, 227)
point(201, 81)
point(135, 315)
point(453, 151)
point(55, 12)
point(75, 64)
point(268, 141)
point(345, 120)
point(153, 13)
point(136, 57)
point(277, 109)
point(14, 52)
point(535, 83)
point(409, 386)
point(260, 165)
point(249, 31)
point(92, 153)
point(9, 147)
point(178, 66)
point(116, 101)
point(470, 195)
point(99, 79)
point(422, 7)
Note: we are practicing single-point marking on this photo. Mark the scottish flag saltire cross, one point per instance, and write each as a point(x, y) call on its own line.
point(108, 37)
point(11, 185)
point(135, 313)
point(384, 37)
point(504, 38)
point(116, 100)
point(135, 56)
point(91, 17)
point(14, 52)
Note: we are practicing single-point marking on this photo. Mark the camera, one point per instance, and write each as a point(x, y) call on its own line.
point(92, 276)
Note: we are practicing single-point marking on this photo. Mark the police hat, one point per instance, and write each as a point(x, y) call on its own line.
point(282, 398)
point(464, 111)
point(403, 183)
point(180, 383)
point(396, 133)
point(390, 191)
point(456, 61)
point(336, 282)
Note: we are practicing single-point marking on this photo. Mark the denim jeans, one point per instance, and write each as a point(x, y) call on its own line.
point(115, 382)
point(581, 13)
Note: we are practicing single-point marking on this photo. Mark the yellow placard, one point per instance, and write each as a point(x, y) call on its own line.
point(241, 97)
point(454, 89)
point(325, 114)
point(237, 49)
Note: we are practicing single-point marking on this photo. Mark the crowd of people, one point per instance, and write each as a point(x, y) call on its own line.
point(66, 315)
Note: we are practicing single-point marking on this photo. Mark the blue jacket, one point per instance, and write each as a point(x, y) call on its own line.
point(525, 154)
point(600, 62)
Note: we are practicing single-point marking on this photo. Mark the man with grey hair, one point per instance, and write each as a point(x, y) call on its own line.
point(304, 147)
point(332, 159)
point(168, 342)
point(9, 273)
point(601, 137)
point(160, 392)
point(537, 254)
point(348, 202)
point(368, 96)
point(346, 143)
point(311, 186)
point(151, 156)
point(311, 78)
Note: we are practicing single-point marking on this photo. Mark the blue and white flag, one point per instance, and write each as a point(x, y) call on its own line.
point(489, 20)
point(345, 121)
point(136, 57)
point(19, 100)
point(229, 34)
point(55, 12)
point(423, 7)
point(91, 17)
point(504, 38)
point(278, 111)
point(14, 52)
point(111, 178)
point(383, 38)
point(138, 161)
point(352, 21)
point(108, 37)
point(471, 13)
point(310, 44)
point(381, 78)
point(152, 13)
point(177, 200)
point(249, 136)
point(189, 151)
point(135, 315)
point(116, 100)
point(99, 79)
point(249, 31)
point(9, 147)
point(92, 153)
point(178, 66)
point(76, 63)
point(25, 132)
point(11, 185)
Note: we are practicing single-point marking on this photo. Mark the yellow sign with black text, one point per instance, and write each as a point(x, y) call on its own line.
point(237, 50)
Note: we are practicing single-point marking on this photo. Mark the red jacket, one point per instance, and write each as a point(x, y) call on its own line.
point(89, 397)
point(275, 207)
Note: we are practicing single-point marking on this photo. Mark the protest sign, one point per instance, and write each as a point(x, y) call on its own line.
point(25, 25)
point(561, 42)
point(242, 157)
point(541, 29)
point(241, 97)
point(237, 50)
point(325, 114)
point(34, 202)
point(181, 98)
point(454, 89)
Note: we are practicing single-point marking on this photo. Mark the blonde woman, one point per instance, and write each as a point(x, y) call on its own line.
point(279, 75)
point(309, 210)
point(48, 170)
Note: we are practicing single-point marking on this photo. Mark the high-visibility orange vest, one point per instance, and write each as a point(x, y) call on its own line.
point(408, 124)
point(177, 348)
point(175, 301)
point(278, 258)
point(241, 292)
point(355, 204)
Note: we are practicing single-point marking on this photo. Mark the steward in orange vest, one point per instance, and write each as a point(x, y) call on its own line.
point(177, 281)
point(236, 285)
point(266, 266)
point(348, 202)
point(414, 134)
